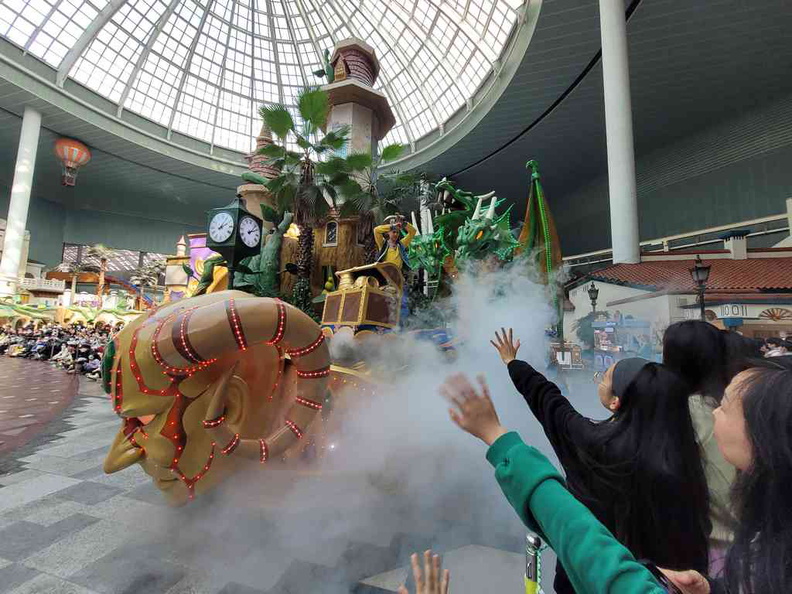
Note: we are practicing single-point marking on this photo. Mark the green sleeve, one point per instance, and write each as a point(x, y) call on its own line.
point(593, 559)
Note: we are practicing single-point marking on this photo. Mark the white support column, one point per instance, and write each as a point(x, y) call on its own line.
point(20, 201)
point(619, 131)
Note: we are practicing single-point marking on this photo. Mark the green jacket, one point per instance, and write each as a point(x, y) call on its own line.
point(594, 560)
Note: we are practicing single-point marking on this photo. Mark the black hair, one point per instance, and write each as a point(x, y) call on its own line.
point(649, 461)
point(775, 341)
point(696, 350)
point(740, 351)
point(760, 560)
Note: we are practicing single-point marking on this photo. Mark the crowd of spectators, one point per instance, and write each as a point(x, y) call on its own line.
point(75, 348)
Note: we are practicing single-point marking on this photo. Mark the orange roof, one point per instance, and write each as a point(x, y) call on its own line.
point(754, 275)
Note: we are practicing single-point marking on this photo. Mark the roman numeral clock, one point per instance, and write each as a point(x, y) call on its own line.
point(234, 233)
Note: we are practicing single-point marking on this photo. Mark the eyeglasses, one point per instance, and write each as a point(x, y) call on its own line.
point(597, 378)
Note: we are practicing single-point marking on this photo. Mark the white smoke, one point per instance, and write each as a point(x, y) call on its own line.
point(399, 465)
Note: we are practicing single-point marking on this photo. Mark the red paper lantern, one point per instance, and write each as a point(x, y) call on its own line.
point(73, 154)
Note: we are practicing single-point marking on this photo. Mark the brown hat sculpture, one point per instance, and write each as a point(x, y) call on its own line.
point(203, 387)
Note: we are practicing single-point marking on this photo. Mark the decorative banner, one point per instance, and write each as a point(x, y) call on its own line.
point(199, 254)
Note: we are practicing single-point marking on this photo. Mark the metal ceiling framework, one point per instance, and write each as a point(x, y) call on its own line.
point(203, 67)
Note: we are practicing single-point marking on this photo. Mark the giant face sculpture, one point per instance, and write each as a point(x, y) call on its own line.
point(202, 386)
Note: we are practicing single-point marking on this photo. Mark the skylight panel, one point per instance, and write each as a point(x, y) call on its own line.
point(434, 54)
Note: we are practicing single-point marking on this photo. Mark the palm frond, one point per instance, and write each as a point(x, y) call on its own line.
point(314, 106)
point(359, 161)
point(278, 118)
point(271, 150)
point(391, 152)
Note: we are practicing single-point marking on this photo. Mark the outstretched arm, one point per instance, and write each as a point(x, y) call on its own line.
point(536, 491)
point(565, 427)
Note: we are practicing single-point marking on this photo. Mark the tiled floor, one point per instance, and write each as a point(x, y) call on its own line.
point(66, 527)
point(32, 393)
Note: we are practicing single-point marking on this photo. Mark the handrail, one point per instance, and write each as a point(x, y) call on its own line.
point(662, 240)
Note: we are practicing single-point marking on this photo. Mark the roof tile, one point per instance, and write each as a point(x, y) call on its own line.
point(758, 274)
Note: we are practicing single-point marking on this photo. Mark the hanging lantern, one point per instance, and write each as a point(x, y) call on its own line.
point(73, 154)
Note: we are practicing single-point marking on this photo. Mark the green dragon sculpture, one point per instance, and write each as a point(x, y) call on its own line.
point(428, 250)
point(481, 237)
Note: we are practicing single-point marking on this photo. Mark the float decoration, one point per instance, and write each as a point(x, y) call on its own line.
point(201, 384)
point(263, 278)
point(539, 239)
point(73, 154)
point(481, 237)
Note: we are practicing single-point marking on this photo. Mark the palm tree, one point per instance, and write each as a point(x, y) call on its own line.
point(147, 275)
point(103, 253)
point(372, 196)
point(75, 269)
point(309, 179)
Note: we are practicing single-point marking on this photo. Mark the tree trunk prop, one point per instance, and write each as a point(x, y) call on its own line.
point(301, 294)
point(265, 281)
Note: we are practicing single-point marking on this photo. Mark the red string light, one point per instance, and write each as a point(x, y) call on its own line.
point(294, 428)
point(308, 403)
point(182, 346)
point(118, 393)
point(264, 451)
point(307, 350)
point(232, 445)
point(190, 482)
point(281, 329)
point(324, 372)
point(281, 365)
point(182, 340)
point(211, 424)
point(236, 324)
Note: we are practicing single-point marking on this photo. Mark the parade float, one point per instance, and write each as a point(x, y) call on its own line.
point(235, 369)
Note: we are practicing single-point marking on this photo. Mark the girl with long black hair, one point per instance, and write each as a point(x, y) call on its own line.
point(753, 428)
point(707, 359)
point(640, 471)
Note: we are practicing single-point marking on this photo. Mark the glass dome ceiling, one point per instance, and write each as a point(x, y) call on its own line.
point(203, 67)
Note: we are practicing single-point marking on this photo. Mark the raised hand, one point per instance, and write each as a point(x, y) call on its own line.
point(504, 344)
point(435, 583)
point(690, 581)
point(474, 411)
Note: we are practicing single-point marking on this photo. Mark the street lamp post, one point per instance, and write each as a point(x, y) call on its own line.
point(593, 293)
point(700, 274)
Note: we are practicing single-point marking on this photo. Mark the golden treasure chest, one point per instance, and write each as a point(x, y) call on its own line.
point(366, 296)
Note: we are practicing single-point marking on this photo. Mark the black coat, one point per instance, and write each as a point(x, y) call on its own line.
point(577, 441)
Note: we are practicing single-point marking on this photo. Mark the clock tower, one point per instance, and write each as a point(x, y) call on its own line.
point(234, 233)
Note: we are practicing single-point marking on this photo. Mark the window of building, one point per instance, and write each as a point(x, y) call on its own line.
point(331, 234)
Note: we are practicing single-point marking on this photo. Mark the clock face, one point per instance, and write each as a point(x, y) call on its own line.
point(221, 227)
point(249, 232)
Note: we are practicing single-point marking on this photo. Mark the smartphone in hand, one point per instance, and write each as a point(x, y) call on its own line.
point(660, 577)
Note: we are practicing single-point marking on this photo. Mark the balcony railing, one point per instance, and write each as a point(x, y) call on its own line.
point(43, 284)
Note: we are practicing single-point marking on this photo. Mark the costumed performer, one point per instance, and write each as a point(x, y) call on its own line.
point(393, 248)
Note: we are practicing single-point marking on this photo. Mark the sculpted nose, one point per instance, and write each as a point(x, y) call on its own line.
point(122, 454)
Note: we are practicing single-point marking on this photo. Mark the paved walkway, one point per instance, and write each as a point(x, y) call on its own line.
point(67, 528)
point(32, 393)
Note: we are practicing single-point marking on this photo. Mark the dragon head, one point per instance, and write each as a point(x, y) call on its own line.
point(486, 235)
